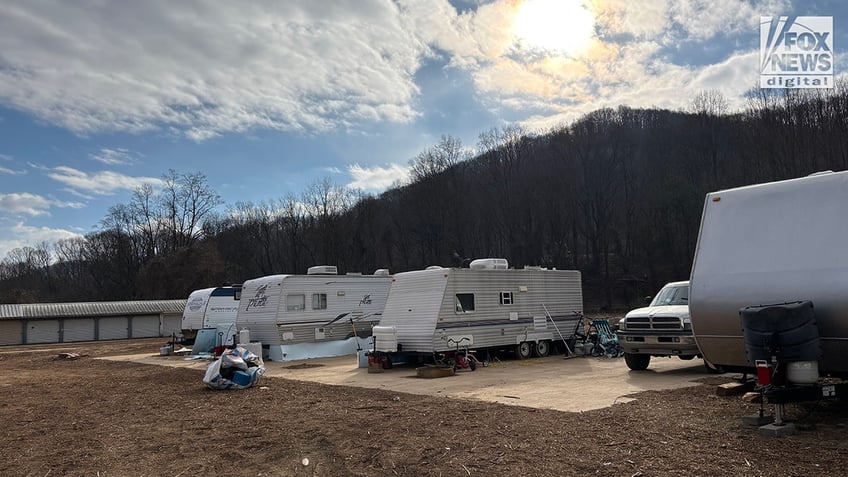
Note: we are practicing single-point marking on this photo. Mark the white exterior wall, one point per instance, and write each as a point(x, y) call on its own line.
point(78, 329)
point(413, 308)
point(220, 310)
point(257, 309)
point(263, 308)
point(113, 328)
point(42, 331)
point(145, 326)
point(422, 307)
point(195, 309)
point(772, 243)
point(171, 324)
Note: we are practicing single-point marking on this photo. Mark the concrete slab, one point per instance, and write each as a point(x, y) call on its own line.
point(577, 384)
point(773, 430)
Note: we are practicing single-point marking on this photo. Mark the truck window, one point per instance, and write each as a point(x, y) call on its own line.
point(672, 296)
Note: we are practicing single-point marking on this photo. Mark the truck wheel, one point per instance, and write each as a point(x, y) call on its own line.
point(523, 350)
point(637, 362)
point(543, 348)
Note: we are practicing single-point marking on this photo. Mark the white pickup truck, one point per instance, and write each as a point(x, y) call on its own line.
point(662, 328)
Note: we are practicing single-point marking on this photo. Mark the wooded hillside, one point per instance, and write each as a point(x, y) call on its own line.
point(617, 195)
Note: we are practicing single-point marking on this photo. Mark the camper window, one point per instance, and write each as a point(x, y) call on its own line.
point(506, 298)
point(295, 302)
point(464, 302)
point(319, 301)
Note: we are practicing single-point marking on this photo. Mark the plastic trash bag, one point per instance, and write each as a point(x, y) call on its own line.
point(237, 368)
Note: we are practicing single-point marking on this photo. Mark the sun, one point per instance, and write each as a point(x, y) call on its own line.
point(562, 26)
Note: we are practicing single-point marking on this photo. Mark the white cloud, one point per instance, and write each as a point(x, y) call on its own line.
point(704, 19)
point(206, 68)
point(11, 172)
point(24, 203)
point(21, 235)
point(377, 178)
point(112, 157)
point(314, 66)
point(98, 183)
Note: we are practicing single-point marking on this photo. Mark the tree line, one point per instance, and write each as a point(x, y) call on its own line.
point(617, 194)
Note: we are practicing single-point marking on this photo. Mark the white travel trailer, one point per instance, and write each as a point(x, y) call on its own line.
point(215, 307)
point(485, 306)
point(773, 244)
point(315, 315)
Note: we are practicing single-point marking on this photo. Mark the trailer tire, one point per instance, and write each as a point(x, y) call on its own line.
point(523, 350)
point(637, 362)
point(543, 348)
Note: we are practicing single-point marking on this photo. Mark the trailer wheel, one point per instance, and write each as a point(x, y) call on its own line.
point(637, 362)
point(543, 348)
point(523, 350)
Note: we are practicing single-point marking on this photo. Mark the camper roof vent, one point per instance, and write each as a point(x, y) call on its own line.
point(533, 267)
point(490, 264)
point(433, 267)
point(323, 270)
point(381, 272)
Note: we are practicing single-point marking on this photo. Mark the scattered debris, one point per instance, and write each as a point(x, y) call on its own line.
point(734, 388)
point(237, 368)
point(68, 356)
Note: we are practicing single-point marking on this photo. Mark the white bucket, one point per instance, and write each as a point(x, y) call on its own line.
point(165, 350)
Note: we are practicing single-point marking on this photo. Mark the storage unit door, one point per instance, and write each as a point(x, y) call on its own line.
point(145, 326)
point(113, 328)
point(172, 324)
point(10, 332)
point(42, 331)
point(78, 329)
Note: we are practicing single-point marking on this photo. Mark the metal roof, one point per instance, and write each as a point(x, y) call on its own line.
point(99, 308)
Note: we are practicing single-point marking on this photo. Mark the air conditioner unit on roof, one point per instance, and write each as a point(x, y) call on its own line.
point(323, 270)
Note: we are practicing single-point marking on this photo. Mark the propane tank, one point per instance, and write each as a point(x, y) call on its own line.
point(244, 336)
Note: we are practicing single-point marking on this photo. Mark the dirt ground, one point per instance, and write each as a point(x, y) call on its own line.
point(106, 418)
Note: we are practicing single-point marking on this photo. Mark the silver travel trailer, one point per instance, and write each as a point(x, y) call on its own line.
point(214, 307)
point(319, 314)
point(772, 247)
point(485, 306)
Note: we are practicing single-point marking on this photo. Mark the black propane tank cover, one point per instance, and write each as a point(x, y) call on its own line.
point(787, 331)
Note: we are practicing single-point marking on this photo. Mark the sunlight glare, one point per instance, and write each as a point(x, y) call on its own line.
point(562, 26)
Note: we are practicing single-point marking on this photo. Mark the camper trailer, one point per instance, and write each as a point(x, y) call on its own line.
point(212, 308)
point(764, 251)
point(315, 315)
point(485, 306)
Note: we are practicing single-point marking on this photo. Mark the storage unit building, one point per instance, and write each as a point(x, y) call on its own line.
point(89, 321)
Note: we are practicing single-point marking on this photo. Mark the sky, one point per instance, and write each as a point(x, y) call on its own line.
point(266, 97)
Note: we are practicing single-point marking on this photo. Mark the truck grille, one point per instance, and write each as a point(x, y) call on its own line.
point(658, 323)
